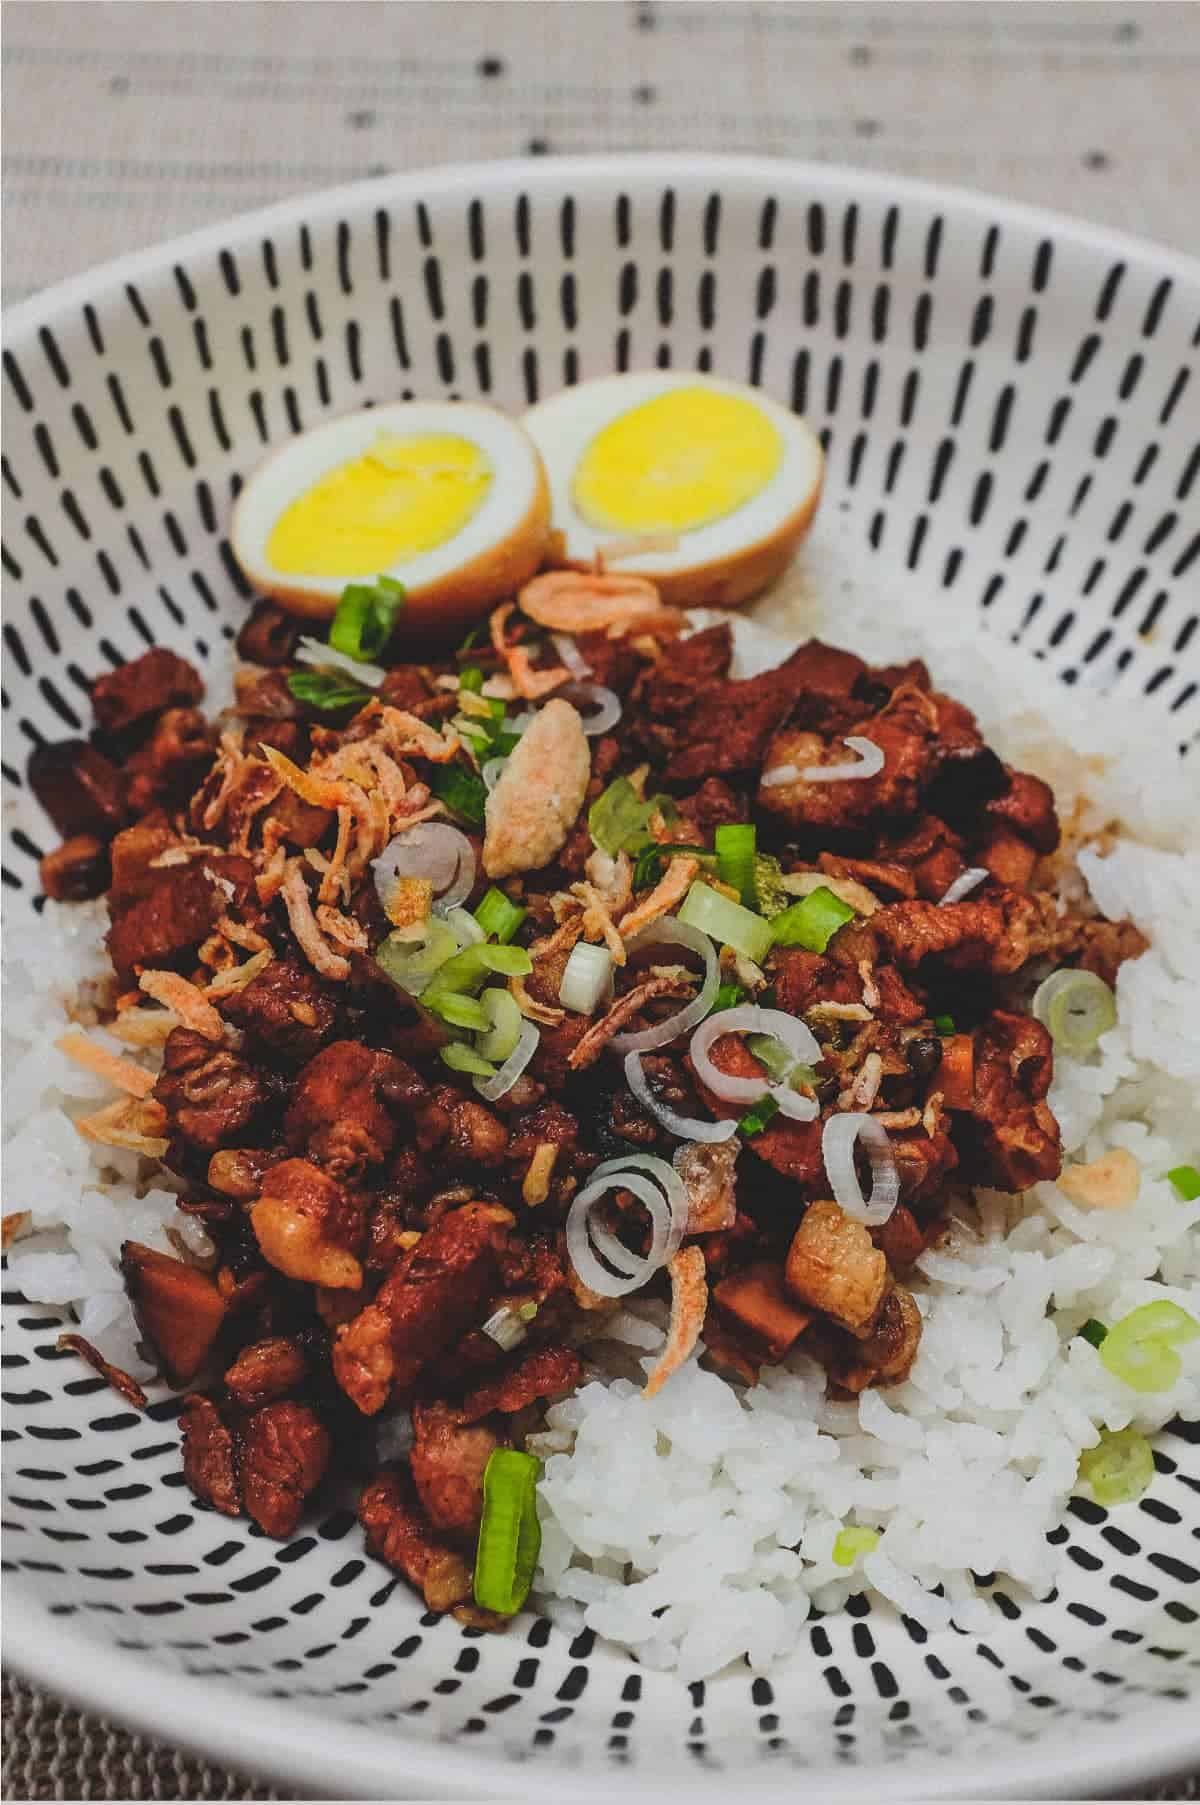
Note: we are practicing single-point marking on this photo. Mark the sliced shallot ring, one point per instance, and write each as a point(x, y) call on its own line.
point(689, 1128)
point(502, 1082)
point(869, 763)
point(670, 932)
point(579, 1248)
point(748, 1018)
point(964, 883)
point(606, 701)
point(433, 850)
point(838, 1140)
point(570, 655)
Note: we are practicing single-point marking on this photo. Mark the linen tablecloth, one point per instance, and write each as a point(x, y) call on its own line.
point(126, 123)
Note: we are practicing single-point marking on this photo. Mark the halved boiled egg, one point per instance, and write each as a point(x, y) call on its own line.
point(704, 486)
point(448, 498)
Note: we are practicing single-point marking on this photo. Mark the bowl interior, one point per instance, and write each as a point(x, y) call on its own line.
point(1005, 405)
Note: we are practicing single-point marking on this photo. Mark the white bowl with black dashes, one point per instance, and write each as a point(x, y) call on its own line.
point(1009, 405)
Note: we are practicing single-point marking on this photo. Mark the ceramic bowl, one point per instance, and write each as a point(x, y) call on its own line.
point(1008, 402)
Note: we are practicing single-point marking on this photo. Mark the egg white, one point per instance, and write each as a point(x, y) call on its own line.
point(718, 564)
point(498, 548)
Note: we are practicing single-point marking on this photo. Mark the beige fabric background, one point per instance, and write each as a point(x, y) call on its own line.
point(126, 122)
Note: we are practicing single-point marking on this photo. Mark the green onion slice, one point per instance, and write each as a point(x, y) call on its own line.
point(461, 791)
point(1093, 1331)
point(756, 1119)
point(471, 678)
point(461, 1011)
point(772, 1054)
point(943, 1025)
point(510, 1536)
point(735, 845)
point(1140, 1349)
point(497, 915)
point(1186, 1180)
point(1077, 1007)
point(656, 853)
point(465, 1059)
point(365, 616)
point(413, 964)
point(617, 816)
point(323, 690)
point(851, 1543)
point(726, 922)
point(813, 921)
point(502, 1026)
point(468, 969)
point(1120, 1469)
point(727, 997)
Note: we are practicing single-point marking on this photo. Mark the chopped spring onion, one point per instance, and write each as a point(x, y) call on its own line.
point(502, 1081)
point(839, 1138)
point(756, 1119)
point(749, 1018)
point(850, 1543)
point(321, 689)
point(497, 915)
point(506, 1327)
point(467, 930)
point(467, 970)
point(735, 846)
point(510, 1536)
point(1093, 1331)
point(1186, 1180)
point(587, 978)
point(617, 815)
point(471, 639)
point(812, 922)
point(460, 1011)
point(365, 616)
point(500, 1029)
point(726, 922)
point(1077, 1007)
point(1120, 1469)
point(652, 858)
point(772, 1054)
point(689, 1128)
point(944, 1025)
point(461, 791)
point(466, 1059)
point(471, 679)
point(413, 964)
point(1140, 1349)
point(728, 997)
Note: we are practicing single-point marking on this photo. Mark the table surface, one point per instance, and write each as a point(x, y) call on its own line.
point(127, 123)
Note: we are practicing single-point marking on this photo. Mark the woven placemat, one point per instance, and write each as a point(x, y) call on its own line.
point(183, 114)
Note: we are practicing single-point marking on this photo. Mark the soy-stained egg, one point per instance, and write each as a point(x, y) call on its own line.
point(704, 486)
point(448, 498)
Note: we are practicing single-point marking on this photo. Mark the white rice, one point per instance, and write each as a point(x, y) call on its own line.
point(698, 1527)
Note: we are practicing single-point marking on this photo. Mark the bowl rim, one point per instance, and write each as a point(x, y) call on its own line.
point(279, 1737)
point(506, 173)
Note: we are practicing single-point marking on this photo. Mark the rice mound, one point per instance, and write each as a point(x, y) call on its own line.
point(698, 1527)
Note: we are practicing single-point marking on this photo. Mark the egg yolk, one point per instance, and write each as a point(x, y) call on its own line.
point(677, 462)
point(401, 498)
